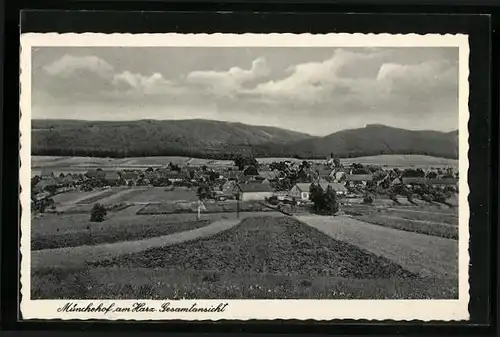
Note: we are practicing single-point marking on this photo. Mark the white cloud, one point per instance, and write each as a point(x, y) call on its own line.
point(426, 73)
point(155, 84)
point(227, 82)
point(314, 81)
point(68, 66)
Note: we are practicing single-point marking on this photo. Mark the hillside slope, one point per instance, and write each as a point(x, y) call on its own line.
point(372, 140)
point(215, 139)
point(151, 137)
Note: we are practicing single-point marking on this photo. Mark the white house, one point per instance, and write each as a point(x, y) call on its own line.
point(300, 191)
point(254, 191)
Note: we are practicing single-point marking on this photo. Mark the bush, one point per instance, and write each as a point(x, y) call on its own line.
point(368, 199)
point(98, 213)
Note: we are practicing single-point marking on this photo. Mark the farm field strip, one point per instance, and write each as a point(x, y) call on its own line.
point(122, 196)
point(72, 197)
point(422, 217)
point(437, 230)
point(74, 256)
point(103, 233)
point(159, 194)
point(446, 213)
point(426, 222)
point(273, 245)
point(97, 197)
point(422, 254)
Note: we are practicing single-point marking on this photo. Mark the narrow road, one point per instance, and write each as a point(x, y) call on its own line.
point(71, 256)
point(422, 254)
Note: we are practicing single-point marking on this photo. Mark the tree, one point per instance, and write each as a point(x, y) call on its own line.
point(243, 162)
point(251, 171)
point(149, 170)
point(203, 192)
point(336, 162)
point(324, 202)
point(98, 213)
point(368, 199)
point(317, 197)
point(331, 202)
point(34, 181)
point(431, 175)
point(52, 189)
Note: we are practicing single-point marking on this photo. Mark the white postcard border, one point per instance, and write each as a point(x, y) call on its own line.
point(425, 310)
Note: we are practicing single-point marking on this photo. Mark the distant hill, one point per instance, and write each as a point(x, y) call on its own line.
point(201, 138)
point(373, 139)
point(222, 140)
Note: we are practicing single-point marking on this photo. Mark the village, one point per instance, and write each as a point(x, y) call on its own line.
point(279, 182)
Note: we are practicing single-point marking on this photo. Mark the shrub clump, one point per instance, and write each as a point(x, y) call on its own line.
point(98, 213)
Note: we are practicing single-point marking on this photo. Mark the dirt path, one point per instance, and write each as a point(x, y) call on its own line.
point(70, 256)
point(423, 254)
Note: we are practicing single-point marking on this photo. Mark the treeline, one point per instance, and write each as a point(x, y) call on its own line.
point(204, 153)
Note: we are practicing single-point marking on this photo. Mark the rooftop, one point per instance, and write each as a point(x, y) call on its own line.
point(255, 187)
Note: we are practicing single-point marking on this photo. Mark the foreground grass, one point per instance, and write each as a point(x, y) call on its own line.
point(147, 283)
point(429, 228)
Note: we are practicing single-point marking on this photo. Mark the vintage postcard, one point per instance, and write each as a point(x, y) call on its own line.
point(254, 176)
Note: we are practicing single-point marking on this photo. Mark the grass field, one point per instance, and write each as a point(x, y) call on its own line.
point(212, 207)
point(160, 194)
point(164, 283)
point(416, 226)
point(395, 160)
point(80, 164)
point(95, 198)
point(55, 231)
point(266, 257)
point(72, 197)
point(430, 220)
point(426, 255)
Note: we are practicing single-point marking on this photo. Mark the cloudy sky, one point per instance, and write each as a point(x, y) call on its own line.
point(312, 90)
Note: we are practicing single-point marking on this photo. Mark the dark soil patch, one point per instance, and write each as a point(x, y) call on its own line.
point(273, 246)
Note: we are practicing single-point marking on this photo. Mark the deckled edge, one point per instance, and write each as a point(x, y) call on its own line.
point(27, 43)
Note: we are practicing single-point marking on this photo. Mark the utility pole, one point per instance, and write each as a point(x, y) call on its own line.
point(237, 205)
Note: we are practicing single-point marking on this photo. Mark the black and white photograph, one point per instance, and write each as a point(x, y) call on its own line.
point(168, 176)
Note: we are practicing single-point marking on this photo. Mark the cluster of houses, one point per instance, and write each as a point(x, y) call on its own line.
point(229, 182)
